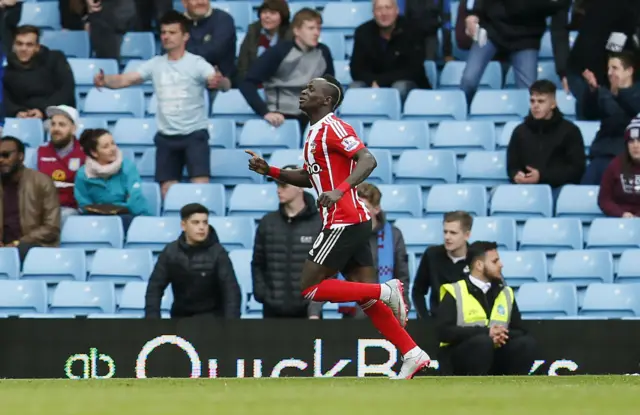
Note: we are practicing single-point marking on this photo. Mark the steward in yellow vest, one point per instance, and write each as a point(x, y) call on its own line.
point(478, 321)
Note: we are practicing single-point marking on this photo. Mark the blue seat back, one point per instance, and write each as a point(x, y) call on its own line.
point(334, 41)
point(253, 200)
point(500, 230)
point(484, 167)
point(240, 11)
point(628, 270)
point(611, 300)
point(445, 198)
point(85, 69)
point(419, 234)
point(401, 200)
point(520, 267)
point(55, 265)
point(92, 232)
point(500, 105)
point(614, 234)
point(222, 134)
point(452, 75)
point(44, 15)
point(398, 136)
point(153, 233)
point(114, 104)
point(371, 104)
point(121, 265)
point(28, 130)
point(9, 263)
point(232, 105)
point(260, 135)
point(579, 202)
point(73, 43)
point(426, 167)
point(135, 133)
point(522, 202)
point(345, 17)
point(464, 136)
point(231, 167)
point(383, 173)
point(138, 45)
point(83, 298)
point(234, 232)
point(210, 195)
point(17, 297)
point(582, 267)
point(435, 106)
point(551, 235)
point(547, 300)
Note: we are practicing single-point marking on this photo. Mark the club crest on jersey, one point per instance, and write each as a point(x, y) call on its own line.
point(312, 147)
point(74, 164)
point(349, 143)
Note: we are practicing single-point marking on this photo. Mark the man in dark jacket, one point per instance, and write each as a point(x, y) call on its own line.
point(479, 325)
point(386, 53)
point(429, 17)
point(35, 77)
point(442, 264)
point(545, 148)
point(199, 271)
point(282, 243)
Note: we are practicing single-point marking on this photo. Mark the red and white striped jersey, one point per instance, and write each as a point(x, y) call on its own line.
point(328, 157)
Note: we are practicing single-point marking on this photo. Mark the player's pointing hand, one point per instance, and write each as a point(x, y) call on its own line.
point(328, 199)
point(257, 163)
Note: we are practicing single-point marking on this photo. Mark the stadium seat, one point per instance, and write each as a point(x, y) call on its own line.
point(153, 233)
point(73, 43)
point(132, 66)
point(31, 158)
point(464, 136)
point(46, 316)
point(348, 47)
point(546, 70)
point(431, 70)
point(9, 263)
point(401, 200)
point(588, 129)
point(111, 316)
point(90, 122)
point(628, 269)
point(85, 69)
point(281, 158)
point(435, 106)
point(241, 12)
point(500, 230)
point(445, 198)
point(121, 265)
point(231, 167)
point(241, 261)
point(343, 74)
point(44, 15)
point(114, 104)
point(520, 267)
point(578, 202)
point(505, 134)
point(234, 232)
point(419, 234)
point(82, 298)
point(28, 130)
point(611, 300)
point(253, 200)
point(614, 234)
point(370, 104)
point(451, 75)
point(484, 167)
point(426, 167)
point(137, 45)
point(232, 105)
point(383, 173)
point(17, 297)
point(92, 232)
point(147, 165)
point(334, 41)
point(546, 49)
point(582, 267)
point(551, 235)
point(260, 135)
point(547, 300)
point(151, 192)
point(500, 106)
point(132, 300)
point(211, 195)
point(397, 136)
point(566, 104)
point(135, 133)
point(522, 201)
point(345, 16)
point(54, 265)
point(222, 134)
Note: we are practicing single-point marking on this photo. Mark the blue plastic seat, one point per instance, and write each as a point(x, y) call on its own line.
point(551, 235)
point(345, 16)
point(589, 129)
point(132, 66)
point(281, 158)
point(222, 134)
point(520, 267)
point(28, 130)
point(451, 75)
point(73, 43)
point(614, 234)
point(445, 198)
point(505, 134)
point(55, 265)
point(546, 70)
point(464, 136)
point(211, 195)
point(85, 69)
point(153, 233)
point(82, 298)
point(500, 230)
point(17, 297)
point(383, 173)
point(253, 200)
point(240, 11)
point(500, 106)
point(401, 200)
point(628, 269)
point(114, 104)
point(132, 299)
point(611, 300)
point(90, 122)
point(522, 201)
point(232, 105)
point(147, 165)
point(579, 202)
point(234, 232)
point(31, 158)
point(241, 261)
point(92, 232)
point(484, 167)
point(151, 192)
point(231, 167)
point(370, 104)
point(397, 136)
point(9, 263)
point(547, 300)
point(135, 133)
point(419, 234)
point(546, 48)
point(435, 106)
point(343, 71)
point(44, 15)
point(582, 267)
point(426, 167)
point(260, 135)
point(137, 45)
point(296, 6)
point(335, 42)
point(431, 70)
point(121, 265)
point(566, 104)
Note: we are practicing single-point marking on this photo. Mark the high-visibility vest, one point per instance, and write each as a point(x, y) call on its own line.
point(470, 312)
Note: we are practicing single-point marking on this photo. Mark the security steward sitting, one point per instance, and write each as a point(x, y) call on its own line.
point(478, 321)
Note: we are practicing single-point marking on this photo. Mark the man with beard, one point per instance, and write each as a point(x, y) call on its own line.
point(62, 157)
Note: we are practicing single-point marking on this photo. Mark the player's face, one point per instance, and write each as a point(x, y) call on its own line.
point(542, 106)
point(454, 236)
point(62, 131)
point(634, 150)
point(492, 266)
point(196, 228)
point(308, 33)
point(173, 37)
point(312, 96)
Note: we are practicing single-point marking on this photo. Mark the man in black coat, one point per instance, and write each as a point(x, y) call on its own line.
point(199, 271)
point(35, 77)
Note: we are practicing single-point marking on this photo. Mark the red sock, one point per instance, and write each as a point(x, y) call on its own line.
point(387, 324)
point(338, 291)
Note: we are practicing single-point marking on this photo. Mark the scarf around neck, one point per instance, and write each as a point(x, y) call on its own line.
point(93, 169)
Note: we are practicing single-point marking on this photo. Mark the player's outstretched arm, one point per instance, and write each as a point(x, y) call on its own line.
point(365, 164)
point(297, 177)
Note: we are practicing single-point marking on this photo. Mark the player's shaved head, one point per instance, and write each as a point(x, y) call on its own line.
point(321, 97)
point(331, 88)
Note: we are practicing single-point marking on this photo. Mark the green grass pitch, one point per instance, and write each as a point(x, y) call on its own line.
point(579, 395)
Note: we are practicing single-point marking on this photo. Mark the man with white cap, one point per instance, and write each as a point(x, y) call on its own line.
point(61, 158)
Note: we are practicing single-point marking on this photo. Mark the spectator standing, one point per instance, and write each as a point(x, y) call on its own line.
point(108, 184)
point(442, 264)
point(386, 53)
point(620, 187)
point(35, 77)
point(9, 19)
point(179, 80)
point(282, 243)
point(199, 271)
point(271, 29)
point(615, 106)
point(149, 12)
point(546, 148)
point(109, 21)
point(30, 208)
point(285, 69)
point(63, 156)
point(430, 17)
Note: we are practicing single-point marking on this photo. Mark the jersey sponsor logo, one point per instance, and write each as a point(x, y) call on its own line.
point(313, 168)
point(350, 143)
point(59, 175)
point(74, 164)
point(306, 239)
point(48, 159)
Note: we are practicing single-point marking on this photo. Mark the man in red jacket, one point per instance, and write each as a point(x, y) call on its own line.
point(62, 157)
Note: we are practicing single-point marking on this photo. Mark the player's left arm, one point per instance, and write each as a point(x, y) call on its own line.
point(365, 164)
